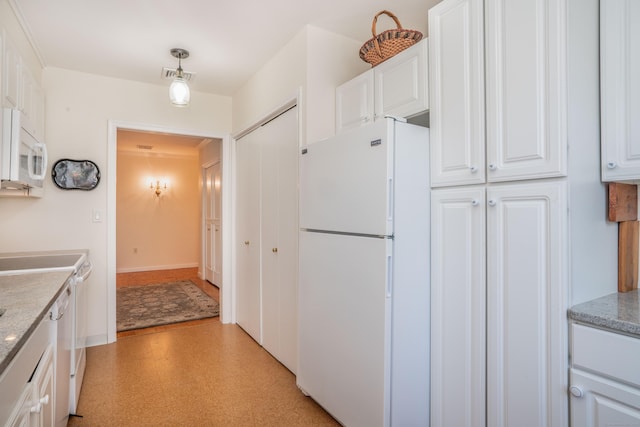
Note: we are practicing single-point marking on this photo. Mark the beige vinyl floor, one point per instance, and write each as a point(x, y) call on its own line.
point(200, 373)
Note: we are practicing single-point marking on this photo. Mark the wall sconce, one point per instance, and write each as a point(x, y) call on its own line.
point(157, 188)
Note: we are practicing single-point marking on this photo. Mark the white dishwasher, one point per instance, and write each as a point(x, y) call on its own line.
point(60, 313)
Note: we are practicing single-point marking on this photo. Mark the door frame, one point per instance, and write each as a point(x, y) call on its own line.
point(227, 302)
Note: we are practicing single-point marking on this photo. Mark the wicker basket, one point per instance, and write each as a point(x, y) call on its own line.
point(388, 43)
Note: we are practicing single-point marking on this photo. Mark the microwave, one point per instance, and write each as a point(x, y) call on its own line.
point(23, 159)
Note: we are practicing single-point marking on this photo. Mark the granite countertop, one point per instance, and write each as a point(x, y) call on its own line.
point(27, 299)
point(619, 312)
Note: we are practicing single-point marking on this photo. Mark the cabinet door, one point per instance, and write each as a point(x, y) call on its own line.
point(21, 415)
point(11, 74)
point(526, 89)
point(620, 89)
point(600, 402)
point(248, 235)
point(458, 307)
point(279, 235)
point(43, 408)
point(527, 305)
point(401, 85)
point(354, 102)
point(456, 78)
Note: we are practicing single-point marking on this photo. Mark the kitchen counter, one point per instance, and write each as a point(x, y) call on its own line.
point(27, 299)
point(618, 312)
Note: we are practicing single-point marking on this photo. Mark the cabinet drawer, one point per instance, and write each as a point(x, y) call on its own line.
point(607, 353)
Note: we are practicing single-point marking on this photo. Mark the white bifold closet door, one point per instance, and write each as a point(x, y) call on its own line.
point(267, 235)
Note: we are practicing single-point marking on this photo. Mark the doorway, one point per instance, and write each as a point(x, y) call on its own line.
point(167, 212)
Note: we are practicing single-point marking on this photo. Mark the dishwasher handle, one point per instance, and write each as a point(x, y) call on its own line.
point(60, 306)
point(84, 273)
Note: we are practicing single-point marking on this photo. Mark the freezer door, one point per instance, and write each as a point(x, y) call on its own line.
point(346, 182)
point(344, 326)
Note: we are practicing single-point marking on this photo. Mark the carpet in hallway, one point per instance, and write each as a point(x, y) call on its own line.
point(161, 304)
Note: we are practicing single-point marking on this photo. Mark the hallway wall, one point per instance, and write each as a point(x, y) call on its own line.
point(152, 232)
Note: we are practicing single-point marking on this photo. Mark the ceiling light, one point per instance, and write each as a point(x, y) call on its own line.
point(179, 93)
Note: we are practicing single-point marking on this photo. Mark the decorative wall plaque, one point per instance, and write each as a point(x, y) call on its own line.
point(75, 174)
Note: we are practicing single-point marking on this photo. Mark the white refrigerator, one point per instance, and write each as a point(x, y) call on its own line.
point(364, 275)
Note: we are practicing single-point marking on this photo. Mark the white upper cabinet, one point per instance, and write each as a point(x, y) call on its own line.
point(620, 89)
point(397, 86)
point(354, 102)
point(524, 90)
point(456, 75)
point(20, 90)
point(401, 85)
point(11, 74)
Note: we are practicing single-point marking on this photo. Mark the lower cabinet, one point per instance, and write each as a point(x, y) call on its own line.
point(600, 402)
point(498, 305)
point(27, 386)
point(605, 378)
point(267, 236)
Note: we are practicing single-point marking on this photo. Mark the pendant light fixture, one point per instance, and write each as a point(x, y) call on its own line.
point(179, 93)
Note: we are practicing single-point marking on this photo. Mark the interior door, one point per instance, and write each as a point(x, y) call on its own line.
point(247, 244)
point(213, 235)
point(279, 235)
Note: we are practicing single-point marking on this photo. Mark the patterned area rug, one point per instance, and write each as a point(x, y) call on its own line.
point(161, 304)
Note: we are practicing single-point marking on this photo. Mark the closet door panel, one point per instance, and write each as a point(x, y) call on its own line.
point(248, 303)
point(279, 232)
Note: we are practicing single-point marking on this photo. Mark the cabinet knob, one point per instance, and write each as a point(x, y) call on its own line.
point(246, 242)
point(611, 165)
point(576, 391)
point(274, 250)
point(37, 408)
point(474, 202)
point(474, 169)
point(491, 202)
point(492, 166)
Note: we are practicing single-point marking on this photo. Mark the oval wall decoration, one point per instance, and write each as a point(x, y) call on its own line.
point(75, 174)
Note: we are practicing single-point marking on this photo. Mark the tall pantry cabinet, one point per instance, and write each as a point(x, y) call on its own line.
point(501, 255)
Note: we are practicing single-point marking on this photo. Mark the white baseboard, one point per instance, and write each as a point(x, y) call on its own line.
point(155, 267)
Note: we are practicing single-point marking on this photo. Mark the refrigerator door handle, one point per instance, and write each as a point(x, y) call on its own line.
point(389, 275)
point(390, 199)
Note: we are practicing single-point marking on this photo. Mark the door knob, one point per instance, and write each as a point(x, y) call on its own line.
point(246, 242)
point(274, 250)
point(492, 166)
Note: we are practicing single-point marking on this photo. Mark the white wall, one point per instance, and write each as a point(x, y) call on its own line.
point(313, 63)
point(593, 240)
point(157, 232)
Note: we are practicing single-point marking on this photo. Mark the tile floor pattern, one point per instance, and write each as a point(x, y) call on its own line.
point(194, 374)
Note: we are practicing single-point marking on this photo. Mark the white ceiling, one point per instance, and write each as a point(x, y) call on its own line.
point(228, 40)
